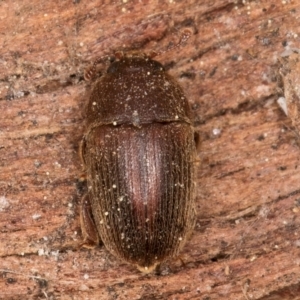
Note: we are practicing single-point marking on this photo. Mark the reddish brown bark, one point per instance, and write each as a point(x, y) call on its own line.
point(246, 241)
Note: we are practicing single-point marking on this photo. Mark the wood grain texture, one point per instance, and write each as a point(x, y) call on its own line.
point(246, 243)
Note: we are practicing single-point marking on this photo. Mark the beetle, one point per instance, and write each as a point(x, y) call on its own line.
point(138, 150)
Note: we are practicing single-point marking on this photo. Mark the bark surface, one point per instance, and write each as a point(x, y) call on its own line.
point(246, 242)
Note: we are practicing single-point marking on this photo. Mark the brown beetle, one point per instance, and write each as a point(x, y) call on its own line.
point(139, 152)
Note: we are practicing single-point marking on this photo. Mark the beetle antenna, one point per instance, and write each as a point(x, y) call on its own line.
point(90, 72)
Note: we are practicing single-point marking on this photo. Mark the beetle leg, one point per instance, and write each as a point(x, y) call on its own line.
point(88, 228)
point(81, 152)
point(197, 139)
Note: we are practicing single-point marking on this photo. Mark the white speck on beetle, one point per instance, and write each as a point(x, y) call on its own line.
point(115, 123)
point(282, 103)
point(114, 186)
point(86, 276)
point(94, 103)
point(106, 213)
